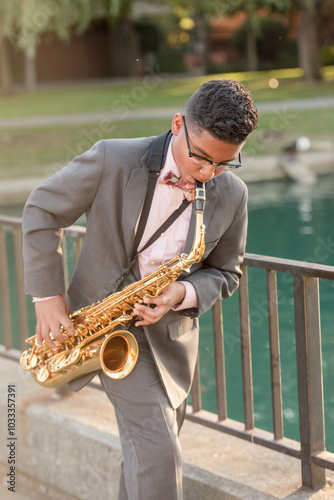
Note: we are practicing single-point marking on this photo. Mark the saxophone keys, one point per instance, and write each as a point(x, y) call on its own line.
point(74, 357)
point(58, 359)
point(31, 340)
point(64, 360)
point(81, 329)
point(43, 374)
point(33, 361)
point(28, 360)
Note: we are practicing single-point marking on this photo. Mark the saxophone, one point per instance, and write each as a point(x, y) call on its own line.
point(96, 344)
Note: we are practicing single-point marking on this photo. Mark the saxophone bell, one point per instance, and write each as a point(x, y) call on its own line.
point(119, 354)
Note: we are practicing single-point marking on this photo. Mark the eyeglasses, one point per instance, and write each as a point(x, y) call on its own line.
point(205, 162)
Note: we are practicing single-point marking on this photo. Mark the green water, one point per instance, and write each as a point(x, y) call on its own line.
point(295, 222)
point(285, 220)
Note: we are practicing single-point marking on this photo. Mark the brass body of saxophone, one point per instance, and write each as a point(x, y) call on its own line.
point(96, 345)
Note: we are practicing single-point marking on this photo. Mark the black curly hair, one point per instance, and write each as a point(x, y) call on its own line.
point(223, 108)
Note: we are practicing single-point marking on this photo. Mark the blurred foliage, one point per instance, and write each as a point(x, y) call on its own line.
point(271, 38)
point(327, 54)
point(163, 32)
point(171, 60)
point(274, 48)
point(150, 35)
point(25, 22)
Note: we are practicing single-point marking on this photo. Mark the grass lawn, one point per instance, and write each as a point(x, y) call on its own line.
point(41, 151)
point(156, 91)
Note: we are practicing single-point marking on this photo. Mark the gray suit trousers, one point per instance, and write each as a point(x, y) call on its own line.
point(148, 428)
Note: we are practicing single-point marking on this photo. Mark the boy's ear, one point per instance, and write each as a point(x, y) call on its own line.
point(177, 124)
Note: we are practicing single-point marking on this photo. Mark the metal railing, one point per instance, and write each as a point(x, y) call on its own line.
point(12, 294)
point(311, 448)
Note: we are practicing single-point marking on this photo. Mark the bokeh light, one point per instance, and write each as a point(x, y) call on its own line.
point(273, 83)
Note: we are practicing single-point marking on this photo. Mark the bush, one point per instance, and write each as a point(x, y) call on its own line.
point(171, 61)
point(150, 36)
point(327, 55)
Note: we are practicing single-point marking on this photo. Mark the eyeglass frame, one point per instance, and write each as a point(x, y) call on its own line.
point(228, 165)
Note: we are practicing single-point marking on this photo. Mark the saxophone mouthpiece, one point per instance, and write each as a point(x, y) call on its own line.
point(199, 196)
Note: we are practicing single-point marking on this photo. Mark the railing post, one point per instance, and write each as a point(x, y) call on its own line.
point(77, 245)
point(21, 298)
point(246, 354)
point(196, 399)
point(6, 318)
point(275, 362)
point(218, 335)
point(309, 375)
point(65, 260)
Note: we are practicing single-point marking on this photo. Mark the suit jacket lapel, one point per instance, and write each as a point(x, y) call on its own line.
point(133, 200)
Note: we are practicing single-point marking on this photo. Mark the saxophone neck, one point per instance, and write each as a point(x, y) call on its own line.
point(198, 247)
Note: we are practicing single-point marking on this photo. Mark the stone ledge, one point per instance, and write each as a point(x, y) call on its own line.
point(68, 447)
point(268, 168)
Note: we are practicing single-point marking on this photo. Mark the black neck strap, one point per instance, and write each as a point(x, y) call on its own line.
point(155, 162)
point(165, 225)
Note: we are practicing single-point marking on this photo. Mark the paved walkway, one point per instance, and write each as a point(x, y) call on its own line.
point(139, 114)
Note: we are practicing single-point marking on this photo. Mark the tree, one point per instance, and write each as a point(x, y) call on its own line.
point(200, 12)
point(24, 22)
point(6, 81)
point(7, 20)
point(125, 45)
point(251, 8)
point(271, 39)
point(309, 12)
point(308, 39)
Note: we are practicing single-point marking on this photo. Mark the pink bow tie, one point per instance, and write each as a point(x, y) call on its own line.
point(170, 179)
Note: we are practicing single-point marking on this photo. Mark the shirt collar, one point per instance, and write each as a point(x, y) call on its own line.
point(169, 163)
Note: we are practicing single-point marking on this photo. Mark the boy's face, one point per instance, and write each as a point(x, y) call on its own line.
point(204, 145)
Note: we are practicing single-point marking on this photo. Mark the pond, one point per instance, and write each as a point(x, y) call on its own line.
point(295, 222)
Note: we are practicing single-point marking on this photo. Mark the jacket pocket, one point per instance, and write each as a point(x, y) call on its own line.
point(178, 328)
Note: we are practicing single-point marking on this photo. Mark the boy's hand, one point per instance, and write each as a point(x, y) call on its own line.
point(172, 295)
point(51, 314)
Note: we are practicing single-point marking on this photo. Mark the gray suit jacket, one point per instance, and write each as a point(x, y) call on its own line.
point(109, 183)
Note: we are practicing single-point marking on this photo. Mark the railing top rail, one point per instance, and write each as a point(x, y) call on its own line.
point(9, 221)
point(75, 231)
point(296, 267)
